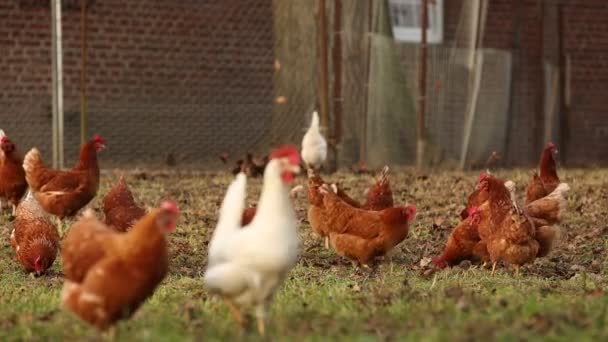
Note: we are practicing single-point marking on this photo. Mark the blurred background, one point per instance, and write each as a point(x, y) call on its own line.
point(178, 82)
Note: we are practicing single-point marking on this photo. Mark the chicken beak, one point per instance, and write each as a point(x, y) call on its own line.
point(295, 169)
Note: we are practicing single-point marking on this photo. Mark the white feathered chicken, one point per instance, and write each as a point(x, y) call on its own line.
point(314, 146)
point(246, 265)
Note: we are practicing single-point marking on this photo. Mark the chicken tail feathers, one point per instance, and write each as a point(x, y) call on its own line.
point(547, 237)
point(315, 120)
point(233, 205)
point(383, 175)
point(550, 208)
point(31, 162)
point(230, 279)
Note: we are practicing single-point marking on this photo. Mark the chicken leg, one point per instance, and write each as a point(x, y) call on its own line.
point(517, 271)
point(236, 313)
point(110, 334)
point(260, 315)
point(14, 210)
point(327, 242)
point(493, 268)
point(59, 224)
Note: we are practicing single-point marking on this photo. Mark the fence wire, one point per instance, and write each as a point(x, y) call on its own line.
point(181, 82)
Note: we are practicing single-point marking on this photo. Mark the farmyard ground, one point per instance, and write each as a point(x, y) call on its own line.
point(559, 298)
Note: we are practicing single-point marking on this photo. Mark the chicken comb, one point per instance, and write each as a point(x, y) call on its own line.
point(3, 139)
point(170, 207)
point(483, 176)
point(411, 209)
point(287, 151)
point(550, 144)
point(99, 138)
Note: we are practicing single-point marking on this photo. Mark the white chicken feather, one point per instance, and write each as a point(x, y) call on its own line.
point(314, 146)
point(246, 265)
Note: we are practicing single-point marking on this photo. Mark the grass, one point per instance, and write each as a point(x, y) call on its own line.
point(560, 297)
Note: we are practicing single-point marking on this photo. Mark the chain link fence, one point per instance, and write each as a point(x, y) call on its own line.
point(181, 82)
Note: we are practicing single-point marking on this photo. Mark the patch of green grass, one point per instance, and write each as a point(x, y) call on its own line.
point(560, 297)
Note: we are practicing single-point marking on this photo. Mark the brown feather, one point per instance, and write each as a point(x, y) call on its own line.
point(64, 193)
point(12, 176)
point(120, 208)
point(34, 237)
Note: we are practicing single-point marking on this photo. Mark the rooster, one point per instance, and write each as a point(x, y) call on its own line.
point(362, 235)
point(121, 271)
point(64, 193)
point(314, 146)
point(12, 176)
point(543, 183)
point(245, 266)
point(120, 208)
point(34, 238)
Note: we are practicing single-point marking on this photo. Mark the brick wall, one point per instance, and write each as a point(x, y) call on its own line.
point(165, 77)
point(585, 45)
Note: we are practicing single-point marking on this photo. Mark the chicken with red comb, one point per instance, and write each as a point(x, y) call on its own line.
point(243, 261)
point(64, 192)
point(34, 238)
point(546, 179)
point(109, 274)
point(12, 176)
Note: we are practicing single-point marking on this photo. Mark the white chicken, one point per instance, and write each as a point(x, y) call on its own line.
point(314, 146)
point(246, 265)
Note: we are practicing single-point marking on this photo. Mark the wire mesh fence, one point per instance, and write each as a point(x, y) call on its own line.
point(180, 82)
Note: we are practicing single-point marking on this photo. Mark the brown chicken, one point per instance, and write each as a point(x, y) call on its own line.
point(476, 198)
point(64, 193)
point(546, 214)
point(511, 235)
point(361, 235)
point(34, 238)
point(543, 183)
point(120, 208)
point(12, 175)
point(111, 281)
point(467, 241)
point(378, 197)
point(463, 243)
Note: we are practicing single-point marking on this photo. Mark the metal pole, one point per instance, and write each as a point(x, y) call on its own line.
point(83, 71)
point(337, 61)
point(368, 56)
point(323, 66)
point(421, 142)
point(475, 66)
point(57, 71)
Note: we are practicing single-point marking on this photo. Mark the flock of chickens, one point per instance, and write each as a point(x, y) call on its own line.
point(112, 266)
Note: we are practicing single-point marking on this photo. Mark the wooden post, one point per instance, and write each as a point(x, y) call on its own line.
point(323, 65)
point(420, 131)
point(57, 74)
point(83, 71)
point(337, 63)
